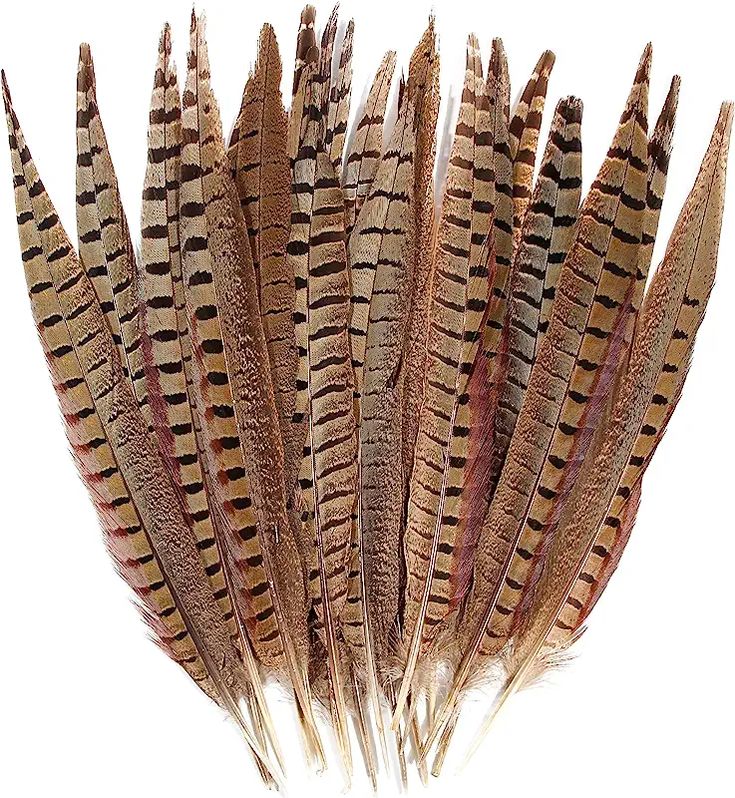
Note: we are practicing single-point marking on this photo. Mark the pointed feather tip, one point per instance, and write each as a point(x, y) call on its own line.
point(12, 119)
point(724, 123)
point(473, 44)
point(545, 63)
point(726, 111)
point(428, 37)
point(498, 58)
point(643, 73)
point(720, 139)
point(570, 109)
point(308, 16)
point(6, 92)
point(164, 43)
point(638, 97)
point(86, 81)
point(668, 110)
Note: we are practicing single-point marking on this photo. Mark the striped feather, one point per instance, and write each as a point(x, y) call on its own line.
point(566, 398)
point(700, 219)
point(381, 248)
point(324, 398)
point(390, 190)
point(339, 103)
point(595, 286)
point(689, 264)
point(128, 460)
point(498, 88)
point(166, 373)
point(364, 147)
point(547, 235)
point(524, 133)
point(236, 423)
point(103, 228)
point(128, 542)
point(458, 303)
point(260, 167)
point(562, 236)
point(593, 320)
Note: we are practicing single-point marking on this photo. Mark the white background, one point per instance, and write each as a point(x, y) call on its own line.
point(89, 707)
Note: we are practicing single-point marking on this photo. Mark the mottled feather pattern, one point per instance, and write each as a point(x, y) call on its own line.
point(358, 417)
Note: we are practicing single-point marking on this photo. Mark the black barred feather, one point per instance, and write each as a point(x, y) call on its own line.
point(368, 425)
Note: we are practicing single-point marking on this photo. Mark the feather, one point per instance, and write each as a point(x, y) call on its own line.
point(523, 139)
point(381, 260)
point(161, 321)
point(344, 431)
point(240, 411)
point(259, 163)
point(591, 318)
point(487, 373)
point(339, 103)
point(324, 399)
point(563, 231)
point(105, 247)
point(224, 449)
point(547, 235)
point(129, 467)
point(702, 212)
point(328, 474)
point(498, 88)
point(689, 263)
point(423, 85)
point(458, 304)
point(365, 146)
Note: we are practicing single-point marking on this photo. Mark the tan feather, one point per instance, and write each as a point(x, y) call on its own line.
point(161, 321)
point(547, 235)
point(458, 305)
point(259, 163)
point(690, 260)
point(381, 259)
point(364, 149)
point(524, 133)
point(423, 85)
point(324, 401)
point(217, 265)
point(143, 471)
point(105, 246)
point(577, 361)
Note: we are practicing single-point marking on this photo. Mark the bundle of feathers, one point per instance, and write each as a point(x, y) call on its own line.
point(338, 438)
